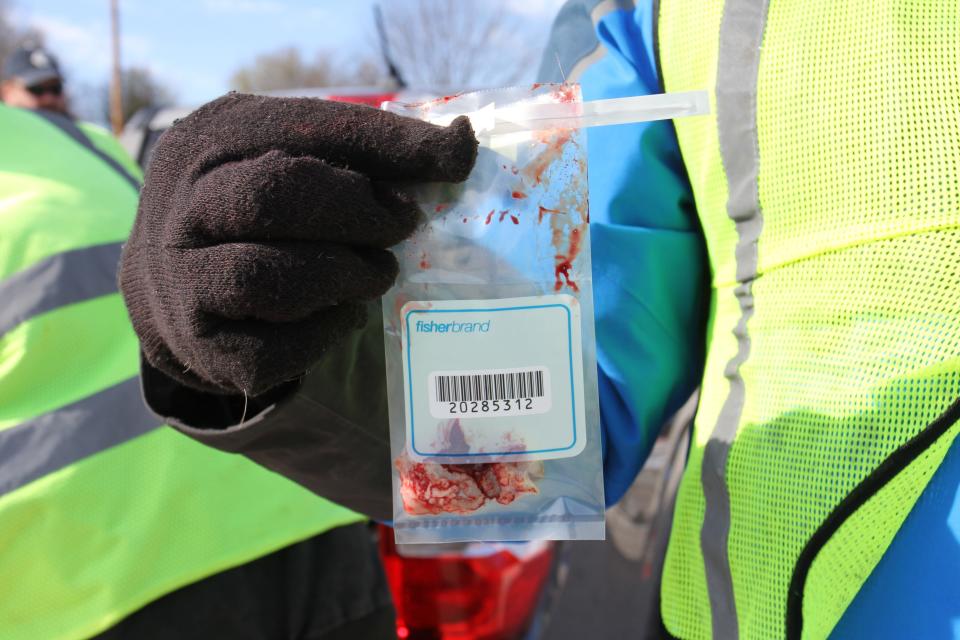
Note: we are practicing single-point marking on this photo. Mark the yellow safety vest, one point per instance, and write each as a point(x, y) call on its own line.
point(102, 509)
point(827, 179)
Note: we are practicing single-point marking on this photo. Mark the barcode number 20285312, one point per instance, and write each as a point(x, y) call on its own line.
point(490, 393)
point(490, 406)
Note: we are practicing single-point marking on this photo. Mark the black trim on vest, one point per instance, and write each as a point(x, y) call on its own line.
point(70, 128)
point(662, 632)
point(868, 487)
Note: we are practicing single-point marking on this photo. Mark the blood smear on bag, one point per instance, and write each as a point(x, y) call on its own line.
point(567, 228)
point(555, 139)
point(542, 210)
point(565, 262)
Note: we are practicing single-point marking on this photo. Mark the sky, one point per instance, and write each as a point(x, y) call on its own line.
point(193, 46)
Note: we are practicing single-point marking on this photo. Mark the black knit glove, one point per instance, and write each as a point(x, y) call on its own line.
point(263, 227)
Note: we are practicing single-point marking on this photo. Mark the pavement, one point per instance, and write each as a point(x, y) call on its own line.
point(611, 587)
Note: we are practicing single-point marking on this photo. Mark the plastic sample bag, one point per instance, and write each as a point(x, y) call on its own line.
point(490, 348)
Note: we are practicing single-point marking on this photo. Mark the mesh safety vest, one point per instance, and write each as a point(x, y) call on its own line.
point(102, 510)
point(827, 179)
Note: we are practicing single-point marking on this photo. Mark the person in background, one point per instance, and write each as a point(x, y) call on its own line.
point(32, 80)
point(111, 525)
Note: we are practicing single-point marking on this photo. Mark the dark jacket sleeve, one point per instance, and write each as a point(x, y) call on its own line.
point(327, 431)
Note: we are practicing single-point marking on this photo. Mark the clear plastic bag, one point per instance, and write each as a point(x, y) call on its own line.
point(489, 332)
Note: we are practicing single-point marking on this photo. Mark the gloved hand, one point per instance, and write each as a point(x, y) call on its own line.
point(263, 227)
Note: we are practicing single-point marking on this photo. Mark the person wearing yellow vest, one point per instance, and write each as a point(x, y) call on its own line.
point(112, 525)
point(796, 254)
point(821, 493)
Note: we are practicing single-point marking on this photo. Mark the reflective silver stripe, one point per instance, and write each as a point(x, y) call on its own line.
point(741, 34)
point(60, 438)
point(601, 10)
point(70, 128)
point(62, 279)
point(574, 45)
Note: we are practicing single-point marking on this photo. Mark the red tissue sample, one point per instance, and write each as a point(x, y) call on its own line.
point(431, 488)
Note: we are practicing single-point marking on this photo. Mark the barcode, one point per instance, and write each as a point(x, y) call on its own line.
point(490, 386)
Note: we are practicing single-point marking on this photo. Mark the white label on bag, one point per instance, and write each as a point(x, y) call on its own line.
point(488, 380)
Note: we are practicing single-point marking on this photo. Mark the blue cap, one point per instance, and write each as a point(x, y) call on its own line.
point(32, 65)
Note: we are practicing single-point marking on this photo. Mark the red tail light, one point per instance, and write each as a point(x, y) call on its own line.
point(480, 592)
point(372, 99)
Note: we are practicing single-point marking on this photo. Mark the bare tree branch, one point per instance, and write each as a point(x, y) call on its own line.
point(453, 43)
point(140, 90)
point(286, 69)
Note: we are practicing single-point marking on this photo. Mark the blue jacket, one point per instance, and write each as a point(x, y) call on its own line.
point(651, 292)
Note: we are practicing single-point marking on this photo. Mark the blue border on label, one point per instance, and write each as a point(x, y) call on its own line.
point(573, 395)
